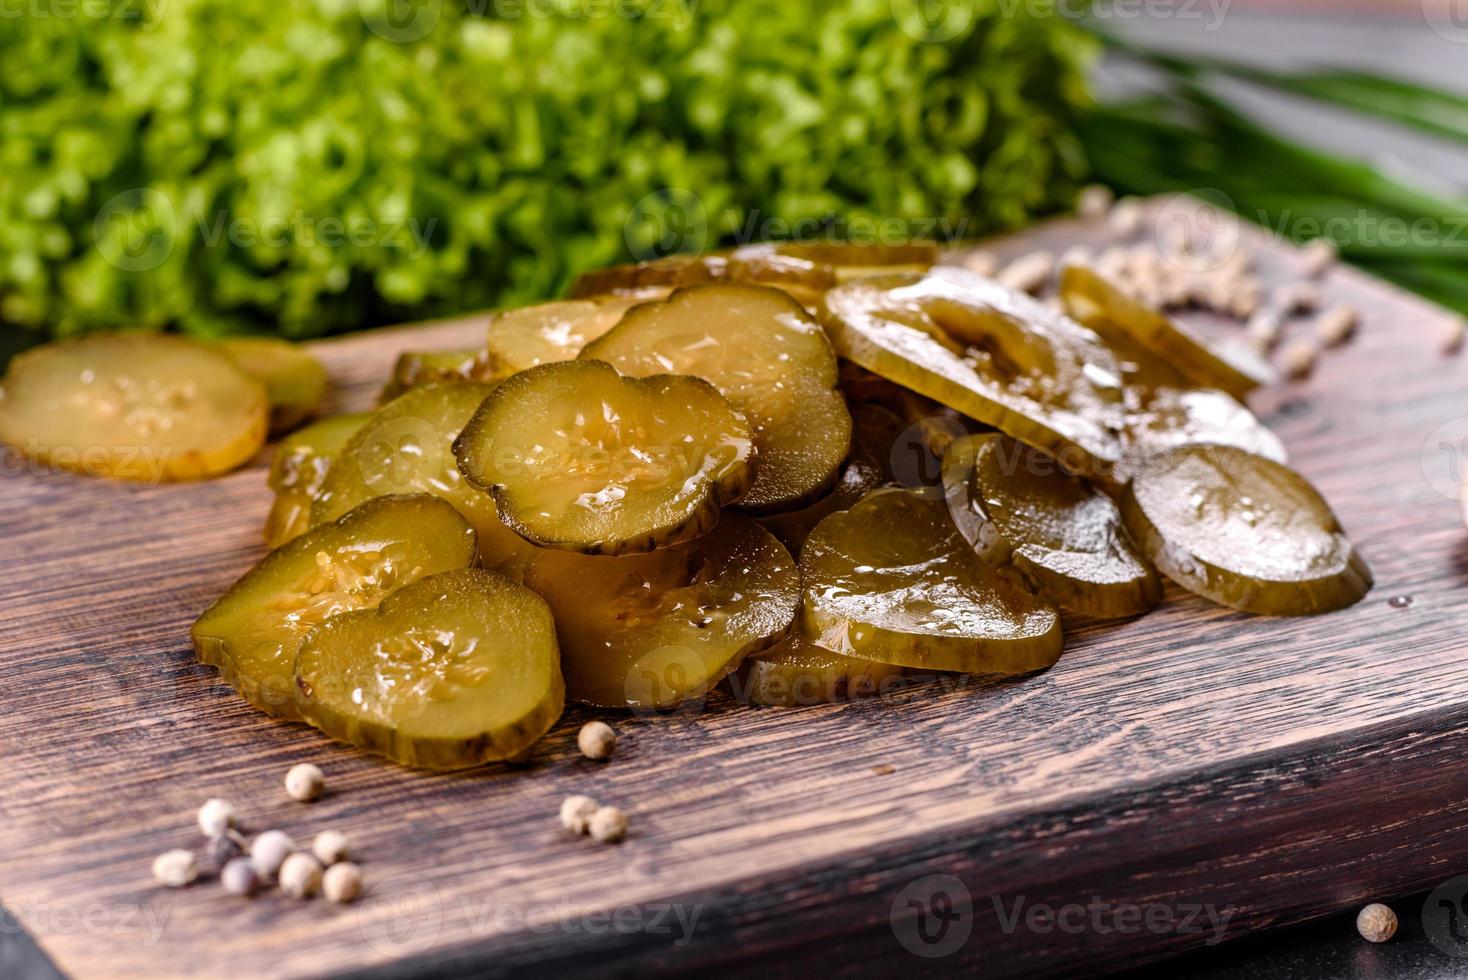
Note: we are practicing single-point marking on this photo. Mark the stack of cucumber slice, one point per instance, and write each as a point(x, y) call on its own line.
point(701, 471)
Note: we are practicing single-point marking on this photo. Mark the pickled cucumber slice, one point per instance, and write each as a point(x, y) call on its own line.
point(1119, 319)
point(550, 332)
point(759, 265)
point(875, 433)
point(768, 357)
point(455, 670)
point(1169, 417)
point(145, 407)
point(795, 672)
point(416, 367)
point(295, 382)
point(988, 352)
point(854, 260)
point(298, 471)
point(1064, 539)
point(252, 633)
point(406, 446)
point(579, 457)
point(892, 580)
point(650, 631)
point(1244, 531)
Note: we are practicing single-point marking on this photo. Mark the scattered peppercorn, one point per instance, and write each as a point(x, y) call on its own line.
point(300, 875)
point(576, 813)
point(269, 852)
point(608, 824)
point(1094, 201)
point(596, 740)
point(1029, 272)
point(1264, 329)
point(304, 782)
point(215, 817)
point(1297, 360)
point(342, 882)
point(982, 264)
point(1126, 217)
point(1376, 923)
point(1317, 256)
point(1335, 326)
point(1457, 333)
point(239, 877)
point(175, 868)
point(330, 846)
point(225, 847)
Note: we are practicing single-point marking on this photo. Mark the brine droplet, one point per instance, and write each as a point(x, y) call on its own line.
point(1400, 601)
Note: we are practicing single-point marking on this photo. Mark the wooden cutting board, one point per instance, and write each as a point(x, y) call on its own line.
point(1194, 775)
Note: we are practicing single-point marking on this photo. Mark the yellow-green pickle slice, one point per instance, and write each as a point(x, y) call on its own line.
point(993, 354)
point(1169, 417)
point(758, 265)
point(1065, 539)
point(1244, 531)
point(650, 631)
point(550, 332)
point(455, 670)
point(858, 260)
point(1119, 319)
point(146, 407)
point(795, 672)
point(407, 446)
point(415, 368)
point(579, 457)
point(892, 580)
point(298, 471)
point(768, 357)
point(295, 382)
point(253, 631)
point(875, 433)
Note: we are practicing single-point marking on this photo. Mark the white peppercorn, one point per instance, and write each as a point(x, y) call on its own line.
point(1094, 201)
point(1376, 923)
point(1029, 272)
point(982, 263)
point(239, 877)
point(608, 824)
point(1317, 256)
point(1335, 326)
point(225, 847)
point(1297, 360)
point(304, 782)
point(300, 875)
point(1296, 297)
point(215, 817)
point(576, 813)
point(330, 846)
point(342, 882)
point(175, 868)
point(1455, 336)
point(269, 852)
point(596, 740)
point(1264, 330)
point(1126, 217)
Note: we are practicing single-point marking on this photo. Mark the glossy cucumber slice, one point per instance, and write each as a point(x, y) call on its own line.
point(758, 265)
point(651, 631)
point(295, 382)
point(550, 332)
point(1168, 417)
point(875, 434)
point(795, 672)
point(768, 357)
point(579, 457)
point(892, 580)
point(1244, 531)
point(298, 471)
point(454, 670)
point(146, 407)
point(1065, 540)
point(406, 446)
point(993, 354)
point(415, 368)
point(253, 632)
point(1119, 319)
point(855, 260)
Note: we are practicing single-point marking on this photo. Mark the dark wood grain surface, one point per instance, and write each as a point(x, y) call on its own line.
point(1258, 771)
